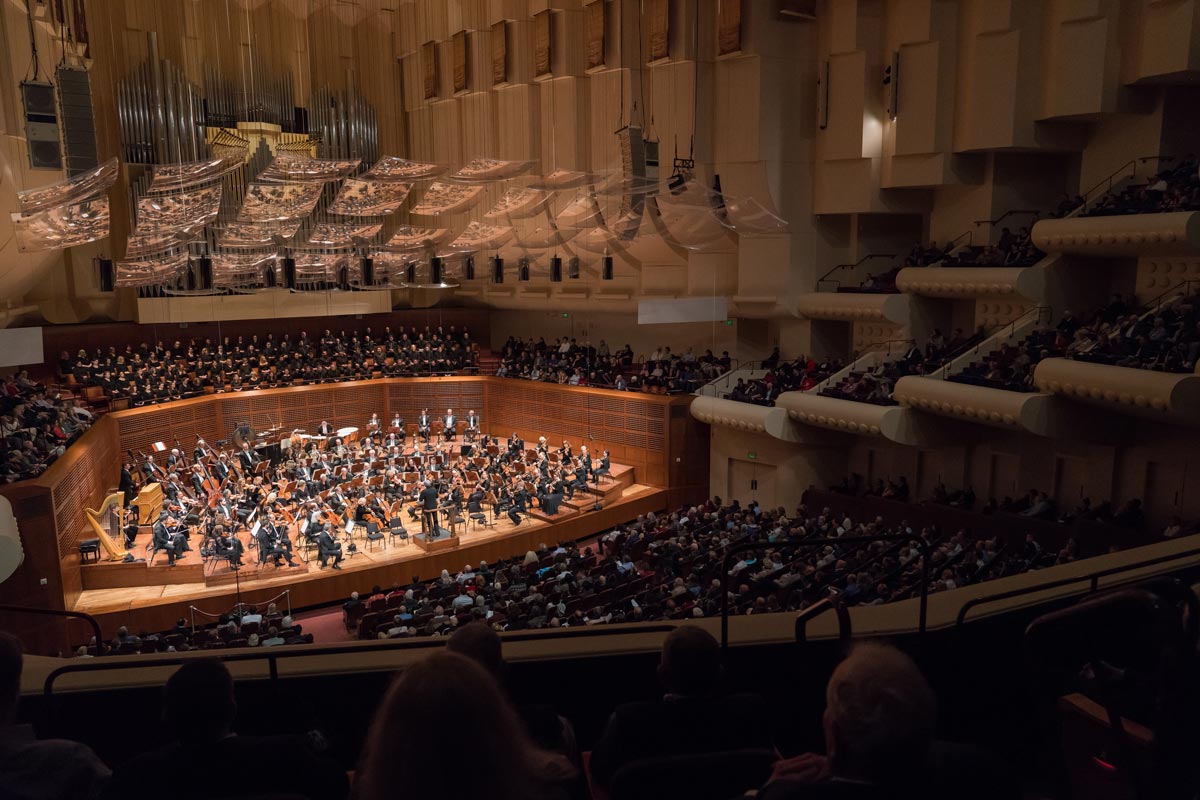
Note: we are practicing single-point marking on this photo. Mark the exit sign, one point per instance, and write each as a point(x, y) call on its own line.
point(752, 455)
point(565, 315)
point(729, 322)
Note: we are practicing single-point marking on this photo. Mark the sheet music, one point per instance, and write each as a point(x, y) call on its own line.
point(255, 529)
point(349, 526)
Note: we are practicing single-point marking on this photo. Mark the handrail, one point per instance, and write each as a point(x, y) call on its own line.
point(742, 547)
point(1093, 579)
point(1011, 325)
point(272, 655)
point(874, 347)
point(1001, 218)
point(1157, 302)
point(834, 602)
point(970, 236)
point(53, 612)
point(867, 257)
point(1107, 182)
point(726, 377)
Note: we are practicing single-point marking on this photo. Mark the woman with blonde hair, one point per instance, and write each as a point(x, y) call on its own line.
point(415, 743)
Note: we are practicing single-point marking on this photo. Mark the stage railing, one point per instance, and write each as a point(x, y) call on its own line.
point(51, 612)
point(239, 607)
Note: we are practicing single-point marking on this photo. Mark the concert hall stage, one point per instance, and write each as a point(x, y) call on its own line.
point(154, 606)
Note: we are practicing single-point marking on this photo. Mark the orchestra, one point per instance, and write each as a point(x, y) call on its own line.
point(329, 488)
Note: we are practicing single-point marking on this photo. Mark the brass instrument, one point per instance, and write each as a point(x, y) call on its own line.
point(108, 523)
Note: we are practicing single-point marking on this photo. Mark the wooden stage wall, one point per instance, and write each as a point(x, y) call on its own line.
point(654, 434)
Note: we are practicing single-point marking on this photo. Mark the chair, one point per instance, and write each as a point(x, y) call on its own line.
point(396, 530)
point(374, 535)
point(89, 550)
point(705, 776)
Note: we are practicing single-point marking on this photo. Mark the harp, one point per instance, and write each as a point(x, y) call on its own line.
point(108, 524)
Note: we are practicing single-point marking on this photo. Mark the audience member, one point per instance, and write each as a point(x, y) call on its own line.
point(33, 769)
point(199, 708)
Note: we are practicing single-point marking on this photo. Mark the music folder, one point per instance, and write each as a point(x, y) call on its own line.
point(349, 526)
point(256, 528)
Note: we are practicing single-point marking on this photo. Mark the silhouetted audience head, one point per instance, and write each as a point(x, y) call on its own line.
point(408, 752)
point(478, 642)
point(691, 662)
point(879, 716)
point(198, 701)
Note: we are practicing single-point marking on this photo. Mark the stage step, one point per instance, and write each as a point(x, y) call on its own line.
point(564, 512)
point(219, 573)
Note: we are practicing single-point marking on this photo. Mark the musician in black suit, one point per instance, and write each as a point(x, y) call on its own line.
point(429, 503)
point(450, 425)
point(515, 445)
point(328, 547)
point(131, 526)
point(220, 470)
point(325, 429)
point(247, 458)
point(127, 486)
point(228, 547)
point(602, 468)
point(423, 424)
point(152, 471)
point(165, 538)
point(200, 450)
point(174, 459)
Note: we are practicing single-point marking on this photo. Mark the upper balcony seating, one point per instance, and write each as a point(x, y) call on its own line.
point(1164, 337)
point(1175, 188)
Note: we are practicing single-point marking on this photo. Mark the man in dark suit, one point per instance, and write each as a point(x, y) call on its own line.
point(200, 709)
point(152, 471)
point(325, 429)
point(328, 547)
point(423, 424)
point(247, 458)
point(220, 470)
point(429, 503)
point(472, 423)
point(450, 425)
point(692, 718)
point(127, 486)
point(167, 540)
point(229, 547)
point(604, 467)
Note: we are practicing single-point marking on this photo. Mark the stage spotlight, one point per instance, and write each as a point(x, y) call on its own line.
point(410, 275)
point(573, 268)
point(435, 270)
point(343, 279)
point(469, 268)
point(556, 269)
point(368, 270)
point(497, 270)
point(289, 272)
point(204, 274)
point(608, 268)
point(523, 273)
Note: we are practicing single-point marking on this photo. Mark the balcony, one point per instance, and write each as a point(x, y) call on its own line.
point(1166, 397)
point(1132, 235)
point(772, 421)
point(855, 307)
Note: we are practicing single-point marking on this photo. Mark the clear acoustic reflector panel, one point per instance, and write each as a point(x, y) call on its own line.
point(688, 225)
point(391, 168)
point(176, 177)
point(143, 244)
point(596, 240)
point(518, 202)
point(369, 198)
point(74, 190)
point(481, 236)
point(244, 272)
point(746, 215)
point(320, 267)
point(561, 179)
point(254, 235)
point(300, 169)
point(183, 211)
point(336, 234)
point(483, 170)
point(64, 226)
point(447, 198)
point(407, 238)
point(541, 236)
point(151, 271)
point(276, 202)
point(582, 212)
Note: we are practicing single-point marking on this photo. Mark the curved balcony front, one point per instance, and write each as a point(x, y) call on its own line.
point(1030, 411)
point(848, 416)
point(746, 417)
point(967, 282)
point(1175, 233)
point(854, 306)
point(1162, 396)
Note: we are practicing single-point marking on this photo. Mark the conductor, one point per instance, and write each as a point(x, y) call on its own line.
point(429, 504)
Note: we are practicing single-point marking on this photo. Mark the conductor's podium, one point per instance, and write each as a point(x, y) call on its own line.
point(444, 539)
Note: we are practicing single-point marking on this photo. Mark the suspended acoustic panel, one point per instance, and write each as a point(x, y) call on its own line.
point(275, 202)
point(582, 212)
point(391, 168)
point(369, 198)
point(182, 211)
point(73, 190)
point(561, 179)
point(518, 202)
point(298, 169)
point(143, 244)
point(244, 235)
point(175, 177)
point(409, 238)
point(64, 226)
point(139, 272)
point(336, 234)
point(478, 235)
point(482, 170)
point(447, 198)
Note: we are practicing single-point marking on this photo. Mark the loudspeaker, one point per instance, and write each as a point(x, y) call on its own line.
point(289, 272)
point(204, 273)
point(410, 275)
point(469, 268)
point(78, 121)
point(343, 278)
point(608, 268)
point(270, 279)
point(523, 273)
point(41, 125)
point(435, 270)
point(573, 268)
point(104, 268)
point(497, 270)
point(368, 270)
point(556, 269)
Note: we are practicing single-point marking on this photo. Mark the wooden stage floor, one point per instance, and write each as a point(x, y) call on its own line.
point(160, 601)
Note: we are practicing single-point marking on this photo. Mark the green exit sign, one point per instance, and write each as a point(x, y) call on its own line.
point(729, 322)
point(752, 455)
point(565, 315)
